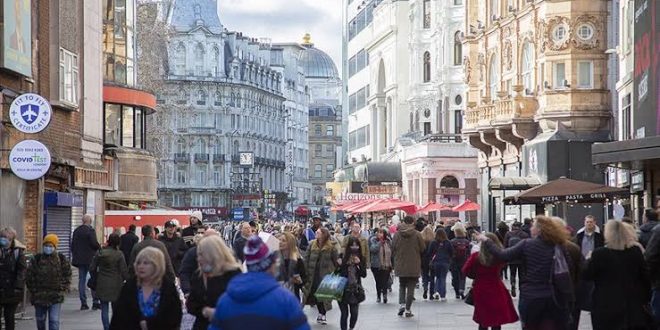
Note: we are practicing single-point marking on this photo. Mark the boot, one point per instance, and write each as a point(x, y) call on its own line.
point(385, 297)
point(378, 298)
point(513, 291)
point(426, 294)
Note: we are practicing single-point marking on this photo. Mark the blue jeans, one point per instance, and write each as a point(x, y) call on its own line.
point(655, 304)
point(83, 270)
point(51, 312)
point(105, 314)
point(441, 271)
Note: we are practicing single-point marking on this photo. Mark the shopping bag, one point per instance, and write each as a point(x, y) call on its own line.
point(331, 287)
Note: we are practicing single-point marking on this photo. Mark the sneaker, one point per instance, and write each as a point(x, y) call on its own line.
point(409, 314)
point(425, 294)
point(436, 296)
point(401, 310)
point(319, 319)
point(323, 320)
point(96, 307)
point(378, 299)
point(443, 299)
point(385, 300)
point(84, 307)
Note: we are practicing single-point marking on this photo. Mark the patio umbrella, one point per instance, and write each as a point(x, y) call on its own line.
point(351, 208)
point(432, 207)
point(566, 190)
point(467, 205)
point(388, 205)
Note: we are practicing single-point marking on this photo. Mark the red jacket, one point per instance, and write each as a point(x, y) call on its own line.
point(492, 303)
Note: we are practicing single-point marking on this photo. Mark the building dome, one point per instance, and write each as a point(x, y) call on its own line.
point(315, 62)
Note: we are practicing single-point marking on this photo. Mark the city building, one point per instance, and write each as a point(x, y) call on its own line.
point(326, 152)
point(437, 163)
point(634, 159)
point(537, 97)
point(220, 98)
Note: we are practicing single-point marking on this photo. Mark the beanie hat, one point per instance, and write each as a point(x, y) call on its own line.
point(52, 239)
point(197, 215)
point(258, 257)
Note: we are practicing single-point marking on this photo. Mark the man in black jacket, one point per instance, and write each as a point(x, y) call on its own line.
point(587, 239)
point(148, 239)
point(83, 248)
point(174, 244)
point(652, 256)
point(196, 225)
point(646, 230)
point(127, 243)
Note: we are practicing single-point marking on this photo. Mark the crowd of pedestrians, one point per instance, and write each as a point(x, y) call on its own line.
point(232, 278)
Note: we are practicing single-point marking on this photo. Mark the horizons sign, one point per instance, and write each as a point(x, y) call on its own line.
point(30, 113)
point(29, 160)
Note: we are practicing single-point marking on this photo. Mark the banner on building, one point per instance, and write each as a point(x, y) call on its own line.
point(646, 109)
point(17, 36)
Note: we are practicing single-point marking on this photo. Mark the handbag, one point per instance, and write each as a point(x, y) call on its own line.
point(469, 298)
point(331, 287)
point(354, 294)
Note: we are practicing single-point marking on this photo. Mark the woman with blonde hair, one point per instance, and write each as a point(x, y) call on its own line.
point(621, 283)
point(539, 305)
point(217, 266)
point(428, 274)
point(292, 266)
point(150, 300)
point(322, 259)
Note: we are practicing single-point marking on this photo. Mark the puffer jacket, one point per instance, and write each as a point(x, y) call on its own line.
point(48, 278)
point(176, 248)
point(13, 267)
point(407, 247)
point(374, 249)
point(320, 261)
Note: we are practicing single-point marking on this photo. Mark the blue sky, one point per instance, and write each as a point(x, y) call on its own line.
point(287, 21)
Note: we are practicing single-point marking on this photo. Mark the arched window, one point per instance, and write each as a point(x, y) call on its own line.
point(180, 146)
point(218, 99)
point(427, 14)
point(236, 147)
point(218, 148)
point(201, 97)
point(449, 182)
point(180, 60)
point(215, 62)
point(527, 67)
point(458, 49)
point(199, 60)
point(494, 76)
point(200, 147)
point(427, 67)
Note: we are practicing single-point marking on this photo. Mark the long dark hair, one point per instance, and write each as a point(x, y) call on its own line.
point(348, 251)
point(441, 235)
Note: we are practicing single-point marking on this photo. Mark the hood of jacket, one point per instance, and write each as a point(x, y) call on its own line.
point(250, 286)
point(648, 227)
point(406, 230)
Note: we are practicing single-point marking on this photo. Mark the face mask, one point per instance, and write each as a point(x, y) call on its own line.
point(48, 250)
point(4, 242)
point(207, 268)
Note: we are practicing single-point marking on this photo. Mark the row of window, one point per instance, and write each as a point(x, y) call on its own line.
point(330, 150)
point(329, 130)
point(198, 199)
point(457, 57)
point(201, 176)
point(125, 126)
point(321, 111)
point(318, 170)
point(358, 62)
point(362, 19)
point(426, 14)
point(358, 138)
point(201, 146)
point(358, 100)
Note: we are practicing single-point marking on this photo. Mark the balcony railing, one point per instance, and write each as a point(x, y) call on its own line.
point(443, 138)
point(218, 158)
point(500, 111)
point(201, 158)
point(181, 158)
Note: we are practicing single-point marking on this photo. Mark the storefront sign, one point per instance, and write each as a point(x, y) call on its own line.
point(30, 113)
point(352, 197)
point(450, 191)
point(637, 184)
point(220, 211)
point(388, 189)
point(623, 178)
point(29, 160)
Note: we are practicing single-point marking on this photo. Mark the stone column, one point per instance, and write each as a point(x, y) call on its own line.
point(373, 135)
point(380, 135)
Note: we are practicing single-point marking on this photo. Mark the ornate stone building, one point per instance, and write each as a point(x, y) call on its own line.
point(221, 97)
point(537, 94)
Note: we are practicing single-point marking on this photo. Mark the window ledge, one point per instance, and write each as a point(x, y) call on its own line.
point(64, 105)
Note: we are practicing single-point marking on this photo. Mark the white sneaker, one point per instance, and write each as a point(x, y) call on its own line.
point(443, 299)
point(436, 296)
point(323, 320)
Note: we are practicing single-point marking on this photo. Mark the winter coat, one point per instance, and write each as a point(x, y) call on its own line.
point(457, 260)
point(206, 296)
point(599, 240)
point(13, 267)
point(126, 314)
point(188, 267)
point(652, 257)
point(320, 261)
point(621, 288)
point(127, 242)
point(440, 254)
point(255, 300)
point(374, 251)
point(349, 296)
point(288, 268)
point(83, 245)
point(169, 270)
point(517, 234)
point(48, 278)
point(176, 248)
point(188, 234)
point(111, 272)
point(646, 231)
point(238, 245)
point(492, 303)
point(364, 248)
point(407, 248)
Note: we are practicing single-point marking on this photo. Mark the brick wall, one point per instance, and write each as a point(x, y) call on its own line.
point(31, 215)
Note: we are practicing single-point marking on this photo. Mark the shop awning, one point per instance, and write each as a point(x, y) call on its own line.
point(566, 190)
point(379, 172)
point(632, 154)
point(513, 183)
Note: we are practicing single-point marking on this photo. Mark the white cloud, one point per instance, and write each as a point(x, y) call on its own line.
point(287, 21)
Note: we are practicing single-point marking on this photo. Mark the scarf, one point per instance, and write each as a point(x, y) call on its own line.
point(385, 255)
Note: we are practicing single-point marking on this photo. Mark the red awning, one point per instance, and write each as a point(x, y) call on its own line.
point(467, 205)
point(433, 206)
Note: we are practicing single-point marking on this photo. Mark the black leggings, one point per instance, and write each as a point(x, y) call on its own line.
point(8, 311)
point(320, 307)
point(344, 308)
point(382, 277)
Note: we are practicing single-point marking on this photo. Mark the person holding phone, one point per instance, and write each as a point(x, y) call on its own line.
point(292, 266)
point(353, 267)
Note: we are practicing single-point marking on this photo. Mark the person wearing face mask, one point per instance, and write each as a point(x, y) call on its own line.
point(255, 300)
point(12, 274)
point(217, 266)
point(48, 279)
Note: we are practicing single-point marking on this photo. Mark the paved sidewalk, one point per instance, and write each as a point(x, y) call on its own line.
point(453, 314)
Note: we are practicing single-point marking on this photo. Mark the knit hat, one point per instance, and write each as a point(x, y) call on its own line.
point(52, 239)
point(197, 215)
point(458, 226)
point(258, 257)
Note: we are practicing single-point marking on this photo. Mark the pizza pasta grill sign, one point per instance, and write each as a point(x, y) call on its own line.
point(30, 113)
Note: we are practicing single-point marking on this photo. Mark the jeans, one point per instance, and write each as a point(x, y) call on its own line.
point(407, 291)
point(51, 312)
point(344, 308)
point(441, 271)
point(105, 314)
point(457, 279)
point(83, 270)
point(427, 279)
point(8, 311)
point(382, 276)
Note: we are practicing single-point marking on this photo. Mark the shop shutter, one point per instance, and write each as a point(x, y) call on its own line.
point(58, 221)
